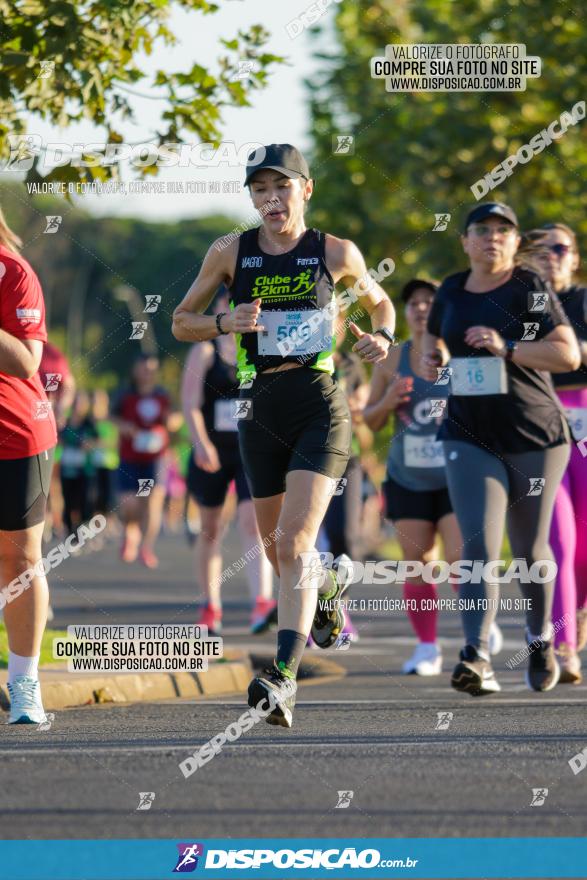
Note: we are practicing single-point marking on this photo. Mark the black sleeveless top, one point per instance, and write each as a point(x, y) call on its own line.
point(297, 280)
point(529, 415)
point(220, 389)
point(574, 302)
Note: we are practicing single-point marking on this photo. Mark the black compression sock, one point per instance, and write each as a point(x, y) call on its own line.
point(290, 647)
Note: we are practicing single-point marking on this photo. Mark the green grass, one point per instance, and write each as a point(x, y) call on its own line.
point(46, 646)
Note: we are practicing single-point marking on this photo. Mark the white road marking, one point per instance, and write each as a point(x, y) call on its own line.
point(449, 697)
point(433, 738)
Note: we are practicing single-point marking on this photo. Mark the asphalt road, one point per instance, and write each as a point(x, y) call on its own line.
point(372, 732)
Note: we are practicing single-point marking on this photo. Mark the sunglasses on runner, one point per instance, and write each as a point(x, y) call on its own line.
point(561, 250)
point(482, 230)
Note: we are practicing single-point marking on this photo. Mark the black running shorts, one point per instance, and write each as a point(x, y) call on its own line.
point(430, 505)
point(209, 489)
point(25, 489)
point(297, 419)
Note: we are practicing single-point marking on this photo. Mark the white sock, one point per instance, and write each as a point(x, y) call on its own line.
point(18, 665)
point(328, 584)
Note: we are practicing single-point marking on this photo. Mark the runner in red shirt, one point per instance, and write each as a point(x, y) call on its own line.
point(27, 444)
point(58, 382)
point(142, 412)
point(59, 386)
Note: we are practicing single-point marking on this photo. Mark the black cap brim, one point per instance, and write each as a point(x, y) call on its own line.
point(285, 171)
point(492, 209)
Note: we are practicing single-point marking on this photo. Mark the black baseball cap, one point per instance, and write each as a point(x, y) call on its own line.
point(416, 284)
point(491, 209)
point(279, 157)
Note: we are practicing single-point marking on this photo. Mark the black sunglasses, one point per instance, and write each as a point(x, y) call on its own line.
point(561, 250)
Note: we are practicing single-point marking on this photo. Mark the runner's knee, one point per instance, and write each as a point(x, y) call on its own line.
point(271, 554)
point(212, 531)
point(290, 545)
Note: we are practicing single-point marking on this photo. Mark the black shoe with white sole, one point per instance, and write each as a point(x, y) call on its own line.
point(329, 618)
point(474, 674)
point(275, 693)
point(543, 671)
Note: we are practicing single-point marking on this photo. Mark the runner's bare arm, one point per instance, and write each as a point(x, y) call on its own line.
point(346, 263)
point(434, 354)
point(377, 410)
point(19, 357)
point(63, 400)
point(199, 361)
point(189, 322)
point(557, 352)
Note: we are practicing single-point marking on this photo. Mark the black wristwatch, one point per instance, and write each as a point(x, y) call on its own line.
point(387, 334)
point(510, 347)
point(218, 327)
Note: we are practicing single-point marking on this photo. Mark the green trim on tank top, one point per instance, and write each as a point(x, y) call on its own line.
point(324, 360)
point(245, 371)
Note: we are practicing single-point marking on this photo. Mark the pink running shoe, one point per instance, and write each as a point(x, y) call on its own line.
point(263, 615)
point(211, 617)
point(148, 558)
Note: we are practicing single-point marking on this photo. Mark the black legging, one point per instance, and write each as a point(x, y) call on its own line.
point(76, 500)
point(484, 490)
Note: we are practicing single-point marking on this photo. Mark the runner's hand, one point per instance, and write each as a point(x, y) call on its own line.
point(369, 348)
point(243, 319)
point(485, 337)
point(206, 457)
point(399, 391)
point(430, 364)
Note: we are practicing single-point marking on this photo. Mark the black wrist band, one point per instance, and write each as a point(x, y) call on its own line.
point(387, 334)
point(218, 327)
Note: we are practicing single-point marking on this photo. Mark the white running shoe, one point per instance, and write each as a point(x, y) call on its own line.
point(26, 706)
point(426, 660)
point(495, 639)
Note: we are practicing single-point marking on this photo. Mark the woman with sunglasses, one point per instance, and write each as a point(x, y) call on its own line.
point(415, 492)
point(556, 245)
point(506, 440)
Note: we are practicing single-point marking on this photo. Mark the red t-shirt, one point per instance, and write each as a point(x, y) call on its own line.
point(27, 425)
point(149, 412)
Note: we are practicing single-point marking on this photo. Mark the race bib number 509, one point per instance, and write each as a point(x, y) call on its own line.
point(294, 332)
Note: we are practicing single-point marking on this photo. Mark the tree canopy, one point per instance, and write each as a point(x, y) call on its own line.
point(65, 61)
point(418, 154)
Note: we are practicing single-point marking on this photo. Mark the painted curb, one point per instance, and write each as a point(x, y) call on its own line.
point(220, 679)
point(75, 691)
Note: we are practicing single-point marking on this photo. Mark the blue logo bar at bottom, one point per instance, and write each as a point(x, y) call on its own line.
point(271, 858)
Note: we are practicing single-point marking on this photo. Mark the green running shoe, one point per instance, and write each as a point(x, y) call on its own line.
point(329, 619)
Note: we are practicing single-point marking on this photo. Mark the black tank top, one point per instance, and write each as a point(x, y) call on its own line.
point(220, 389)
point(295, 281)
point(574, 302)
